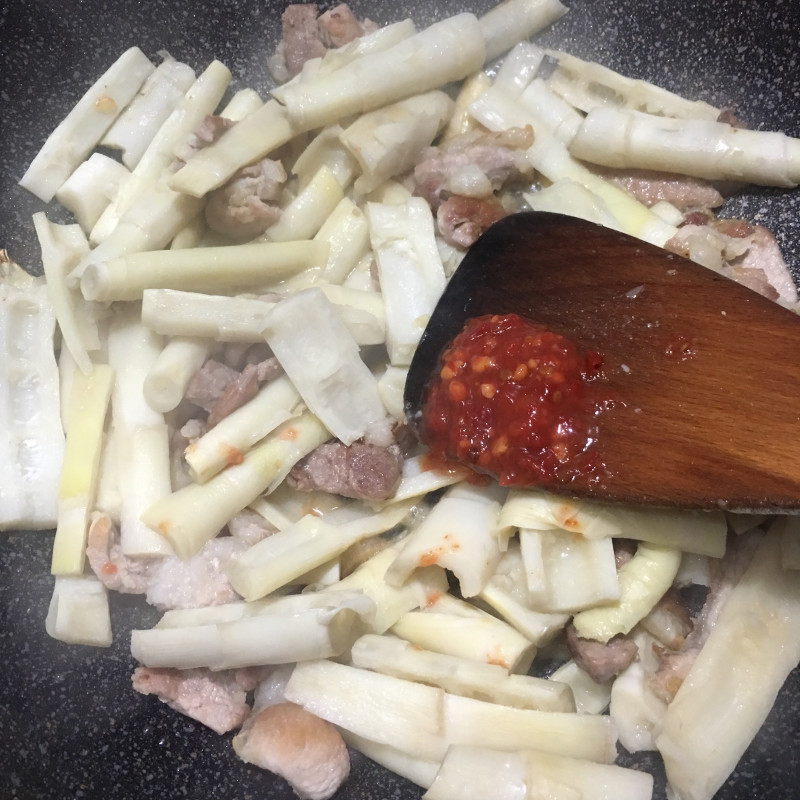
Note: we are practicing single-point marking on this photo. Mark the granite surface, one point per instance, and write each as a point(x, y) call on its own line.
point(70, 725)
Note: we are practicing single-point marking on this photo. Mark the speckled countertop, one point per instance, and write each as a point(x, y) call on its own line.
point(70, 725)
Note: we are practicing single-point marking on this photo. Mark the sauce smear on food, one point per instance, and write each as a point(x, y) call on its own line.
point(515, 400)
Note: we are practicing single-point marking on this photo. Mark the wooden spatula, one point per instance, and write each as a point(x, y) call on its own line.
point(708, 370)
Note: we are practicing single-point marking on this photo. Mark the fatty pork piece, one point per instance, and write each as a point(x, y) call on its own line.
point(360, 470)
point(743, 252)
point(248, 203)
point(308, 34)
point(216, 699)
point(291, 742)
point(209, 130)
point(168, 581)
point(601, 660)
point(460, 178)
point(650, 187)
point(220, 389)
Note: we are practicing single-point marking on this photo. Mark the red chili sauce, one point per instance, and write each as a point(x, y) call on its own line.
point(515, 400)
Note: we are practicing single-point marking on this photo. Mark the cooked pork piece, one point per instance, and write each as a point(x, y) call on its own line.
point(650, 187)
point(216, 699)
point(291, 742)
point(250, 527)
point(362, 471)
point(209, 130)
point(247, 204)
point(601, 660)
point(307, 35)
point(461, 220)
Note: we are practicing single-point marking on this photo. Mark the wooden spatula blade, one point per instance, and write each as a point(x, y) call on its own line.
point(707, 370)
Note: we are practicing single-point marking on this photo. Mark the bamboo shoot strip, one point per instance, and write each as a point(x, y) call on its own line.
point(347, 232)
point(227, 319)
point(323, 362)
point(31, 434)
point(166, 381)
point(228, 441)
point(191, 516)
point(514, 21)
point(78, 612)
point(733, 683)
point(250, 139)
point(702, 148)
point(202, 269)
point(63, 246)
point(275, 633)
point(79, 474)
point(446, 51)
point(73, 139)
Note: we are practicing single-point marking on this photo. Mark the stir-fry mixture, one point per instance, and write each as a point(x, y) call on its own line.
point(221, 427)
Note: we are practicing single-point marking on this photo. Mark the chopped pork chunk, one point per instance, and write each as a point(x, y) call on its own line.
point(362, 471)
point(601, 661)
point(216, 699)
point(209, 130)
point(291, 742)
point(745, 253)
point(168, 581)
point(209, 384)
point(650, 187)
point(247, 204)
point(474, 164)
point(461, 220)
point(308, 35)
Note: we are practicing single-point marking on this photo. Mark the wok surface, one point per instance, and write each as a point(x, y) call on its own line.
point(70, 724)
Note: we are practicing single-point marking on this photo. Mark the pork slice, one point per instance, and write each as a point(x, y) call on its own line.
point(198, 581)
point(339, 26)
point(303, 749)
point(301, 38)
point(242, 389)
point(209, 131)
point(764, 254)
point(248, 203)
point(601, 660)
point(209, 383)
point(650, 187)
point(461, 220)
point(215, 699)
point(361, 471)
point(475, 165)
point(250, 527)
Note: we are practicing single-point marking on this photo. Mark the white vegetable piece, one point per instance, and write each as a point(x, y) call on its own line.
point(249, 140)
point(363, 312)
point(243, 102)
point(202, 98)
point(173, 312)
point(489, 682)
point(566, 196)
point(347, 233)
point(518, 69)
point(636, 710)
point(513, 21)
point(31, 435)
point(281, 631)
point(642, 583)
point(474, 773)
point(586, 85)
point(454, 627)
point(576, 572)
point(701, 532)
point(590, 696)
point(446, 51)
point(420, 771)
point(424, 587)
point(788, 528)
point(201, 269)
point(89, 190)
point(228, 441)
point(78, 612)
point(62, 247)
point(734, 681)
point(424, 721)
point(166, 381)
point(135, 128)
point(191, 516)
point(325, 150)
point(701, 148)
point(84, 126)
point(459, 534)
point(387, 142)
point(411, 273)
point(322, 360)
point(77, 488)
point(279, 559)
point(419, 478)
point(554, 113)
point(284, 506)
